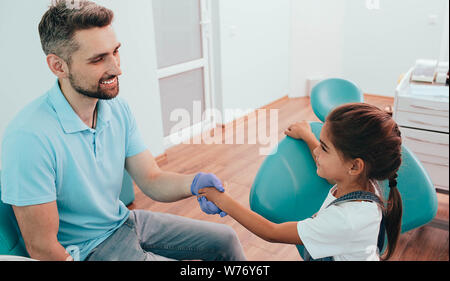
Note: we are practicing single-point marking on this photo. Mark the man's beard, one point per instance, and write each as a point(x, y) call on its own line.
point(99, 93)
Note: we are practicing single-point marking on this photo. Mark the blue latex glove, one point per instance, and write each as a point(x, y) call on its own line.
point(203, 180)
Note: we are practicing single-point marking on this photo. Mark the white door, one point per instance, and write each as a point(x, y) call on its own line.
point(183, 45)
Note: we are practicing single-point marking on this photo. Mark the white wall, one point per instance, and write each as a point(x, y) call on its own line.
point(444, 43)
point(342, 38)
point(317, 30)
point(252, 52)
point(24, 74)
point(381, 45)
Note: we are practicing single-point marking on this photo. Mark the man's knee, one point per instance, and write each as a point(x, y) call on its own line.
point(229, 245)
point(228, 235)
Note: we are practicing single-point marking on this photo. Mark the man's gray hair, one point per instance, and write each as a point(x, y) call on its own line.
point(63, 18)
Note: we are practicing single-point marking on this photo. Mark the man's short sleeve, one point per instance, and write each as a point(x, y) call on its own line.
point(135, 143)
point(28, 173)
point(328, 234)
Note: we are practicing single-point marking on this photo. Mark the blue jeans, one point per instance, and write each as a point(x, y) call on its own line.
point(151, 236)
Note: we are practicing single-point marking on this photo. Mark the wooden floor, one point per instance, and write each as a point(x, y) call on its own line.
point(237, 165)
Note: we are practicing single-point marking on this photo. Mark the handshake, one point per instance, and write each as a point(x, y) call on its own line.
point(203, 180)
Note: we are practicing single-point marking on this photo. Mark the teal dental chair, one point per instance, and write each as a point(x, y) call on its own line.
point(287, 187)
point(329, 94)
point(11, 242)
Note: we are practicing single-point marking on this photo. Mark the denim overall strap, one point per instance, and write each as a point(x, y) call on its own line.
point(355, 196)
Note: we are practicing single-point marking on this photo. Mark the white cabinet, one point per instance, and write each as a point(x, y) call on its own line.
point(421, 110)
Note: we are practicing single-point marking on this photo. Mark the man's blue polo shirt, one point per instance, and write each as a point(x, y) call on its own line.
point(49, 154)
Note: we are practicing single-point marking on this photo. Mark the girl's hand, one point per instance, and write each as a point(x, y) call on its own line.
point(215, 196)
point(300, 130)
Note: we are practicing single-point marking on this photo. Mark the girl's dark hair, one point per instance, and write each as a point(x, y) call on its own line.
point(364, 131)
point(59, 24)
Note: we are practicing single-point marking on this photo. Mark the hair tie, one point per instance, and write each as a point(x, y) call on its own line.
point(393, 181)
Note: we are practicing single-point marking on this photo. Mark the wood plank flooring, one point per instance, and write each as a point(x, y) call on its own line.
point(237, 165)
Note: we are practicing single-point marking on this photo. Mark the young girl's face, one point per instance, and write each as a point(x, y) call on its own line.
point(330, 164)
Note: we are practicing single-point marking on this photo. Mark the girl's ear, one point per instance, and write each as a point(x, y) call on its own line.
point(357, 167)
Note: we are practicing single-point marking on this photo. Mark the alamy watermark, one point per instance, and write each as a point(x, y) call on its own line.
point(373, 4)
point(262, 127)
point(70, 4)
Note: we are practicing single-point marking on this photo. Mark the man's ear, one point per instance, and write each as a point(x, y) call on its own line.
point(357, 168)
point(58, 66)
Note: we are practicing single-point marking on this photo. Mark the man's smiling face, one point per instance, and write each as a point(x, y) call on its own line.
point(94, 69)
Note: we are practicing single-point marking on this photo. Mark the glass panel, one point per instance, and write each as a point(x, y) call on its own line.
point(181, 91)
point(177, 31)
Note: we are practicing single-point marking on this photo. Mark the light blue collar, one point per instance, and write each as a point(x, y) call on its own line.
point(69, 120)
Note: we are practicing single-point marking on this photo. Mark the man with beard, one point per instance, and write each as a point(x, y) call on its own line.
point(64, 155)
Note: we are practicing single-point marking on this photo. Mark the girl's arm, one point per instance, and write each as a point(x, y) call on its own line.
point(302, 131)
point(265, 229)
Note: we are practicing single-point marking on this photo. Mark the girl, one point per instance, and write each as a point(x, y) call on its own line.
point(359, 145)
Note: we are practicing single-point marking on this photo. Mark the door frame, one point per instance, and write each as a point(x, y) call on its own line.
point(204, 63)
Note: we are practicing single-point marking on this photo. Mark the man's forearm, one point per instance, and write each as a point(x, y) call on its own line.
point(168, 187)
point(48, 252)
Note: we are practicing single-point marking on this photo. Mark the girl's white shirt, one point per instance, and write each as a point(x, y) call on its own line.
point(346, 231)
